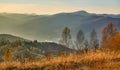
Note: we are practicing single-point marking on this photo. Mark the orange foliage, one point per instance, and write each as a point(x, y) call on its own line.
point(114, 43)
point(108, 32)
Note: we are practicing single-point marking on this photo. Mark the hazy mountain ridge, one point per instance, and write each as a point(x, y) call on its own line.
point(11, 37)
point(49, 27)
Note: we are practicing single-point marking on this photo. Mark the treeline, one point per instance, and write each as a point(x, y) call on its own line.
point(110, 39)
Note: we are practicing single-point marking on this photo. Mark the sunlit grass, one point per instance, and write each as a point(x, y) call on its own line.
point(88, 61)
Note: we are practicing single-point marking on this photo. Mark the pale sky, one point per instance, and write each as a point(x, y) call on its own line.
point(56, 6)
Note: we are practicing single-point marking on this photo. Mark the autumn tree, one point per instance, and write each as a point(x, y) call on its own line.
point(94, 42)
point(66, 37)
point(7, 55)
point(114, 43)
point(108, 32)
point(80, 39)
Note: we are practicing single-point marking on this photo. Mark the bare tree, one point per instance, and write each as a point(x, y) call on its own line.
point(94, 42)
point(80, 39)
point(66, 37)
point(86, 44)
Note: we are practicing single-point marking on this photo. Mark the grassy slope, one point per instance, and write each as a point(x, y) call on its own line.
point(90, 61)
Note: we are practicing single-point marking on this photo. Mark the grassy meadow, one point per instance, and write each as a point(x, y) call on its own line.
point(88, 61)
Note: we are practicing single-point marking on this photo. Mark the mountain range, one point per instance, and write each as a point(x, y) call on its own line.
point(49, 27)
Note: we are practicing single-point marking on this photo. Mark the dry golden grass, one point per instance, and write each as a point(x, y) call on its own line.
point(89, 61)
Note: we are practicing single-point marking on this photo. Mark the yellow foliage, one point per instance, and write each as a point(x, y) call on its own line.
point(114, 43)
point(8, 55)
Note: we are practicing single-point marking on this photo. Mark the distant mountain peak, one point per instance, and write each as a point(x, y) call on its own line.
point(82, 12)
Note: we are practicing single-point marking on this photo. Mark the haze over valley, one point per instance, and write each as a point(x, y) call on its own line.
point(59, 34)
point(49, 27)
